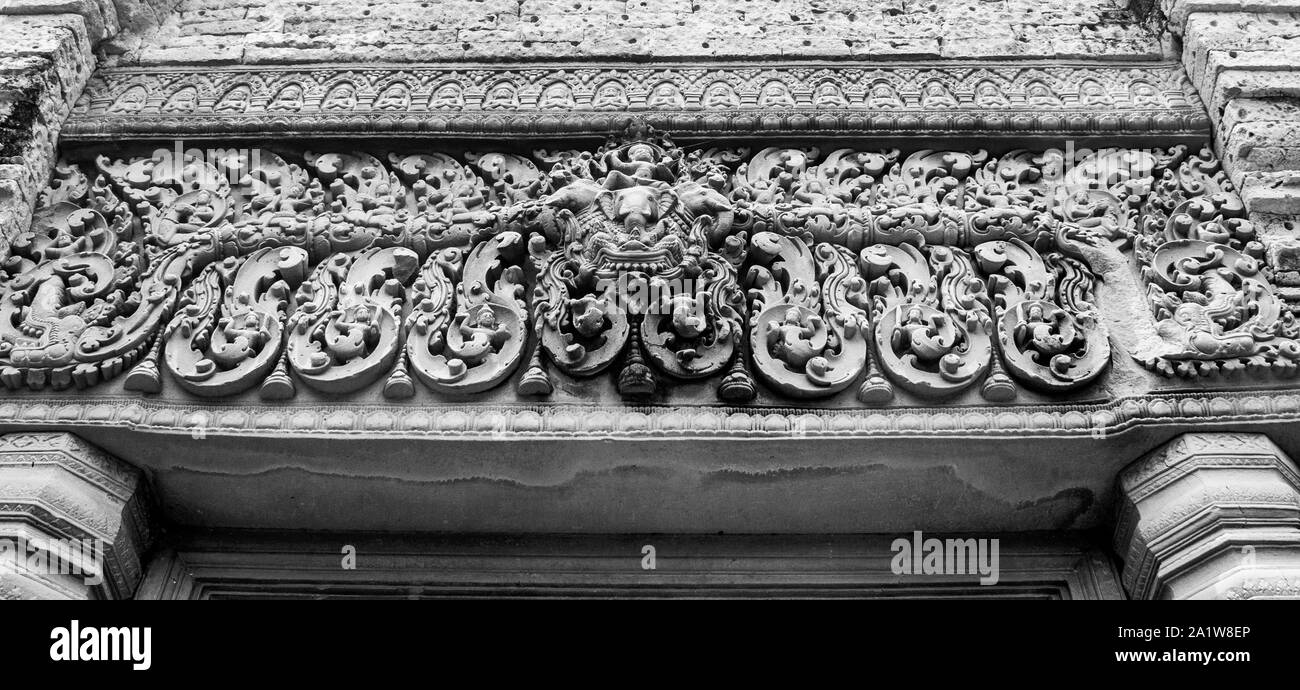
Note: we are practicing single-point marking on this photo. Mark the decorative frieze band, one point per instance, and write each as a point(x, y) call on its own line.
point(890, 99)
point(594, 421)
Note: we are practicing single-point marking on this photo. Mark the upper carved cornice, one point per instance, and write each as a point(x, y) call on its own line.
point(997, 99)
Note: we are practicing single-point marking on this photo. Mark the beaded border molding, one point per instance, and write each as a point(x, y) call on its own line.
point(716, 99)
point(566, 421)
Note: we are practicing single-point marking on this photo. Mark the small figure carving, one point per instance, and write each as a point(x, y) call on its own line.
point(988, 95)
point(183, 101)
point(1039, 94)
point(1093, 93)
point(235, 100)
point(395, 97)
point(828, 95)
point(287, 100)
point(449, 96)
point(501, 97)
point(936, 95)
point(883, 95)
point(775, 94)
point(791, 338)
point(342, 97)
point(666, 95)
point(557, 96)
point(721, 95)
point(1142, 93)
point(610, 96)
point(130, 101)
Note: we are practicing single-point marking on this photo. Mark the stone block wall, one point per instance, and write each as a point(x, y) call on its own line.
point(243, 31)
point(45, 61)
point(47, 53)
point(1244, 58)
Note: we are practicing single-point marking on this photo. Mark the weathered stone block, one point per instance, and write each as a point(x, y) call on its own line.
point(1234, 84)
point(212, 55)
point(203, 16)
point(1243, 110)
point(897, 47)
point(1003, 46)
point(1178, 11)
point(1270, 192)
point(1284, 256)
point(232, 27)
point(99, 16)
point(1269, 146)
point(1231, 31)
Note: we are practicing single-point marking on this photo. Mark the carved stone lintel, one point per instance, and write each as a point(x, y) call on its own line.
point(1210, 516)
point(795, 273)
point(74, 522)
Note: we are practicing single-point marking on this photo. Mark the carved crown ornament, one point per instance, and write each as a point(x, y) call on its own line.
point(884, 98)
point(801, 273)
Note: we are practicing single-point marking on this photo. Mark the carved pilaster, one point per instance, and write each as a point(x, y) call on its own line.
point(74, 521)
point(1210, 516)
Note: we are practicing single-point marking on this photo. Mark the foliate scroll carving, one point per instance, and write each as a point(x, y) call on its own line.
point(88, 287)
point(345, 333)
point(1208, 284)
point(227, 335)
point(65, 279)
point(801, 273)
point(1048, 335)
point(808, 326)
point(466, 331)
point(932, 340)
point(917, 219)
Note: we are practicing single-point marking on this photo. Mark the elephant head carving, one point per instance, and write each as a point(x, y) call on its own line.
point(635, 204)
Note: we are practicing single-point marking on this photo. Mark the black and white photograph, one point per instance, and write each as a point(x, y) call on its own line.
point(523, 310)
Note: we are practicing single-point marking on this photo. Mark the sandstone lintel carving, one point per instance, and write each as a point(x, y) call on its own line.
point(806, 271)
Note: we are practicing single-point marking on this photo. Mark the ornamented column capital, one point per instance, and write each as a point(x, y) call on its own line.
point(1210, 516)
point(64, 502)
